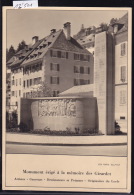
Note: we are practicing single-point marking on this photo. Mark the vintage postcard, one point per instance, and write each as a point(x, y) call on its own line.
point(67, 99)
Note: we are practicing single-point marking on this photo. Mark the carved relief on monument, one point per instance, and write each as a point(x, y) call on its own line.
point(59, 107)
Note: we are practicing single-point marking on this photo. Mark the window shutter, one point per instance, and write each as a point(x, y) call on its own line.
point(123, 49)
point(58, 67)
point(123, 73)
point(88, 70)
point(51, 53)
point(51, 66)
point(82, 70)
point(81, 56)
point(66, 55)
point(57, 80)
point(88, 58)
point(51, 80)
point(123, 97)
point(59, 54)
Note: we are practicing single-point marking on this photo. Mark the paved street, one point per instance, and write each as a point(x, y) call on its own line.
point(116, 150)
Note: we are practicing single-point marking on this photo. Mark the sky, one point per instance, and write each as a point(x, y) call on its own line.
point(24, 24)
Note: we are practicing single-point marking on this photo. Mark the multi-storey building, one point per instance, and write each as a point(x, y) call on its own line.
point(58, 60)
point(121, 64)
point(86, 38)
point(16, 75)
point(119, 30)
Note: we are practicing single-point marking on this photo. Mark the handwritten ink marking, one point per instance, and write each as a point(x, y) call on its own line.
point(26, 4)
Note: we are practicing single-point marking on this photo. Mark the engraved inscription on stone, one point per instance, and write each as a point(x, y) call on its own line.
point(61, 107)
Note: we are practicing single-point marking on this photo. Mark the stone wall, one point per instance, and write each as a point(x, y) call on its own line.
point(60, 113)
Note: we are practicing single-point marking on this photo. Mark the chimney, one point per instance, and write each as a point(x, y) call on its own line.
point(26, 46)
point(34, 39)
point(53, 31)
point(67, 30)
point(115, 29)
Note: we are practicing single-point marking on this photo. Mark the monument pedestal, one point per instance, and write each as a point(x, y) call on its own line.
point(104, 82)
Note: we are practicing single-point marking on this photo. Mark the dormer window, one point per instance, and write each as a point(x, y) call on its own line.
point(44, 45)
point(49, 43)
point(39, 53)
point(40, 46)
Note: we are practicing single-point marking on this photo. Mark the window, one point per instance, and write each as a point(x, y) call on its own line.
point(81, 82)
point(76, 69)
point(86, 70)
point(123, 73)
point(63, 54)
point(123, 49)
point(24, 95)
point(13, 93)
point(122, 117)
point(16, 93)
point(13, 82)
point(84, 57)
point(122, 97)
point(76, 56)
point(49, 43)
point(82, 70)
point(16, 82)
point(30, 82)
point(53, 53)
point(37, 81)
point(54, 80)
point(24, 84)
point(19, 92)
point(39, 53)
point(55, 67)
point(81, 57)
point(20, 81)
point(59, 54)
point(55, 93)
point(27, 83)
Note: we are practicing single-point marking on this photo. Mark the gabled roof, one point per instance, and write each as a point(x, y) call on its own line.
point(87, 39)
point(40, 50)
point(22, 54)
point(55, 40)
point(69, 45)
point(10, 61)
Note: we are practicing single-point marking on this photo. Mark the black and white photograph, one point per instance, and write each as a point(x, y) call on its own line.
point(68, 82)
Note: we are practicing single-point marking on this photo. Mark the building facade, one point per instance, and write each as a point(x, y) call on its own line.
point(58, 60)
point(119, 31)
point(121, 65)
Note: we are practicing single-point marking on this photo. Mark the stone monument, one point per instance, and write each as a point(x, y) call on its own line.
point(104, 81)
point(59, 113)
